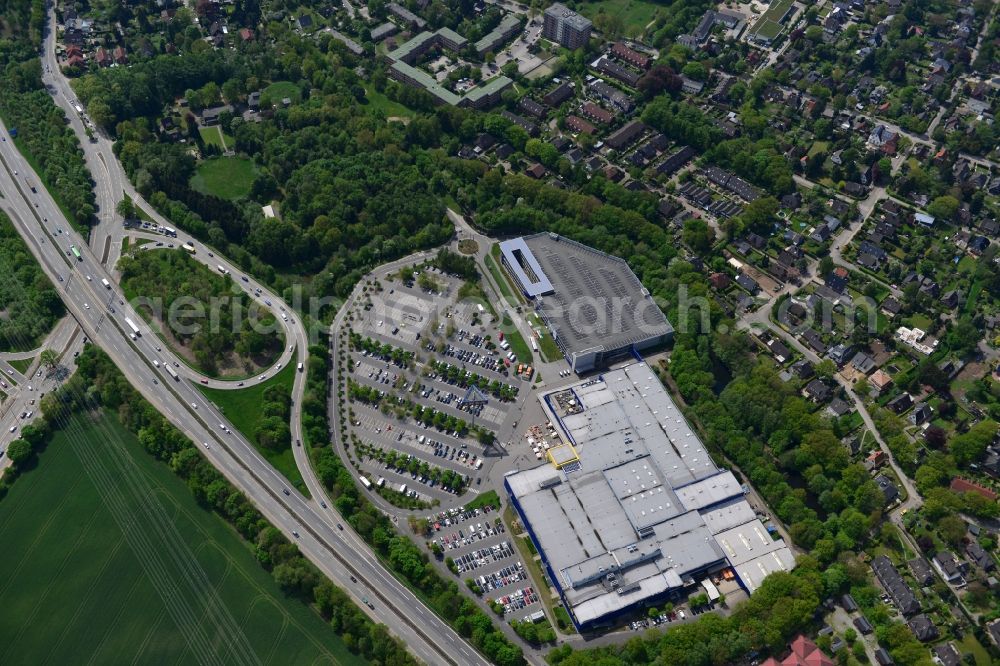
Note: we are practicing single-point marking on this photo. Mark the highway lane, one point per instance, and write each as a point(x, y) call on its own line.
point(339, 555)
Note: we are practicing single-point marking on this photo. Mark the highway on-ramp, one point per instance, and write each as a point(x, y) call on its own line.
point(338, 554)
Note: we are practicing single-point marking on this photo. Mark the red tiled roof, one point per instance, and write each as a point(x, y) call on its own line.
point(960, 485)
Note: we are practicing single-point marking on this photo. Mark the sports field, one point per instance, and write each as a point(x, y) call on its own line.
point(107, 559)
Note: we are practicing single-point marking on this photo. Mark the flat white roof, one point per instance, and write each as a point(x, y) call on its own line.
point(646, 509)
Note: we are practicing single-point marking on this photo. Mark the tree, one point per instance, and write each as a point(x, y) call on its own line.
point(944, 208)
point(19, 451)
point(49, 358)
point(825, 369)
point(953, 530)
point(126, 208)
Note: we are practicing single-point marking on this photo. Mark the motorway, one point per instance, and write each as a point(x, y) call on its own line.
point(339, 554)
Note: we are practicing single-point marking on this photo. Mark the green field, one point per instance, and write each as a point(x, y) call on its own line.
point(225, 177)
point(21, 364)
point(107, 558)
point(279, 90)
point(377, 100)
point(243, 409)
point(212, 136)
point(634, 15)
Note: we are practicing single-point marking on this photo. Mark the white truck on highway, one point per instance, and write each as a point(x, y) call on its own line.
point(104, 281)
point(172, 372)
point(135, 329)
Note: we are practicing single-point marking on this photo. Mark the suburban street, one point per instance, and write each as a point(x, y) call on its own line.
point(338, 554)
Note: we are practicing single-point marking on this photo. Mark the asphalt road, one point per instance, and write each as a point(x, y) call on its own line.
point(339, 554)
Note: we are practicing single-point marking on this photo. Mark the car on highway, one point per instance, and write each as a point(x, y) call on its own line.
point(340, 527)
point(194, 405)
point(285, 490)
point(13, 428)
point(206, 445)
point(86, 305)
point(322, 504)
point(296, 534)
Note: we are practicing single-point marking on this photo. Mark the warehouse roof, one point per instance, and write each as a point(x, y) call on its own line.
point(645, 509)
point(597, 302)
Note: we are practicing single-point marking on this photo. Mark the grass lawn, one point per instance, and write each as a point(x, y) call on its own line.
point(243, 408)
point(279, 90)
point(499, 279)
point(979, 653)
point(920, 321)
point(21, 364)
point(489, 498)
point(547, 346)
point(377, 100)
point(520, 348)
point(635, 15)
point(225, 177)
point(212, 136)
point(79, 588)
point(818, 147)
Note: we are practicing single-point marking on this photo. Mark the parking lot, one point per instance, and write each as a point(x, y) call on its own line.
point(482, 550)
point(433, 371)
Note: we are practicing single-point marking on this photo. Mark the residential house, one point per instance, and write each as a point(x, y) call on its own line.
point(802, 369)
point(993, 630)
point(558, 95)
point(863, 363)
point(617, 71)
point(890, 493)
point(840, 354)
point(747, 283)
point(838, 408)
point(597, 113)
point(923, 628)
point(947, 654)
point(578, 125)
point(950, 299)
point(900, 403)
point(892, 582)
point(818, 391)
point(522, 122)
point(882, 655)
point(720, 281)
point(626, 135)
point(803, 653)
point(814, 340)
point(779, 351)
point(533, 108)
point(949, 567)
point(879, 381)
point(863, 626)
point(102, 57)
point(922, 413)
point(612, 96)
point(921, 571)
point(629, 55)
point(891, 307)
point(978, 556)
